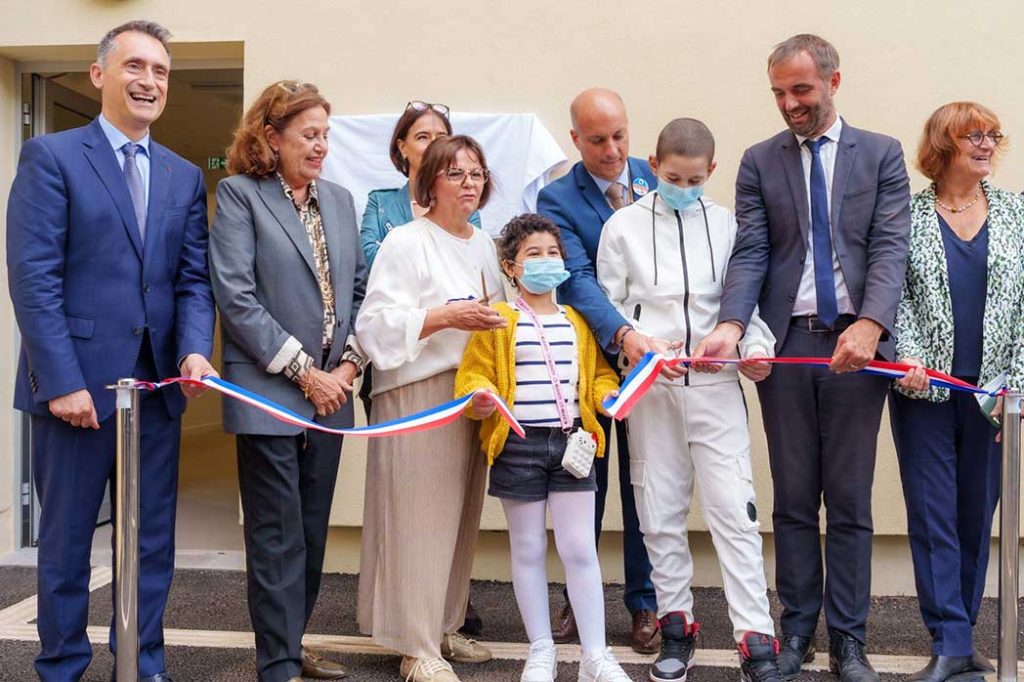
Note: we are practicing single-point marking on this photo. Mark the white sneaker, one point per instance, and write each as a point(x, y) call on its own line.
point(603, 668)
point(542, 663)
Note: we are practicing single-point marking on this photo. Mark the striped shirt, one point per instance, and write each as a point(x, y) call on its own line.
point(535, 397)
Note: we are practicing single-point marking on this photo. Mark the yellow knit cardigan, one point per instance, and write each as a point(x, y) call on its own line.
point(489, 363)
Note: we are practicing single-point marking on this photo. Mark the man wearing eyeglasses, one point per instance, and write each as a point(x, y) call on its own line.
point(824, 221)
point(605, 179)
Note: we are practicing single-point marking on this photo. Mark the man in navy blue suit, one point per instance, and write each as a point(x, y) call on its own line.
point(605, 179)
point(106, 254)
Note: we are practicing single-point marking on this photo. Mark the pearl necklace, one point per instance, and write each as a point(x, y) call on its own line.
point(961, 209)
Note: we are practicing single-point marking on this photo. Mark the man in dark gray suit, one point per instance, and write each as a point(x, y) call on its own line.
point(824, 221)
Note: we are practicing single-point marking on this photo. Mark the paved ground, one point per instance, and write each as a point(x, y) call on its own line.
point(16, 583)
point(194, 664)
point(215, 600)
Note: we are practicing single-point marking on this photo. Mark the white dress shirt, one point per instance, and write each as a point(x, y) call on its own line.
point(807, 296)
point(118, 140)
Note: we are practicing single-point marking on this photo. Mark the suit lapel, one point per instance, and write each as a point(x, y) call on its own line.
point(159, 182)
point(638, 178)
point(590, 192)
point(794, 169)
point(332, 233)
point(104, 162)
point(846, 154)
point(281, 207)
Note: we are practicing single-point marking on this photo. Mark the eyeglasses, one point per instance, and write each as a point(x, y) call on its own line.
point(977, 137)
point(457, 176)
point(417, 105)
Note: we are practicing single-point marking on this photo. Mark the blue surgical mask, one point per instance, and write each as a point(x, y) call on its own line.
point(541, 275)
point(679, 198)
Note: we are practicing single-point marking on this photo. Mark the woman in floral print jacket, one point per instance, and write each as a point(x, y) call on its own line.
point(962, 312)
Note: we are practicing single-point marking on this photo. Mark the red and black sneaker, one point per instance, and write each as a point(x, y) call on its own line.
point(759, 658)
point(678, 648)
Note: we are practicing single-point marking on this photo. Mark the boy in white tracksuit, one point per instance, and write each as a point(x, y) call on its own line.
point(662, 262)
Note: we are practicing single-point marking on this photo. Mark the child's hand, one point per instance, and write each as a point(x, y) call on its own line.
point(755, 371)
point(483, 406)
point(611, 395)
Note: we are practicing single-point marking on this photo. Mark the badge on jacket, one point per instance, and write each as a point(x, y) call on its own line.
point(640, 187)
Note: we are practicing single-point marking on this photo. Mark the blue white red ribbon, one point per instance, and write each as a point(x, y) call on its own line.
point(646, 372)
point(632, 390)
point(421, 421)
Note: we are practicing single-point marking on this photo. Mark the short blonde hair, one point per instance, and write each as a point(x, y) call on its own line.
point(938, 147)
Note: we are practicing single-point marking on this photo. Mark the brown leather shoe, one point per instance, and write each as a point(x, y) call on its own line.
point(646, 637)
point(316, 666)
point(565, 631)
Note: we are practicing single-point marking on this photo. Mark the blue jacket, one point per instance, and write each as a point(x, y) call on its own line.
point(580, 210)
point(84, 287)
point(386, 209)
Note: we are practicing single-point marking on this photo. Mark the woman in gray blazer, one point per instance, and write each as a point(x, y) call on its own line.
point(288, 278)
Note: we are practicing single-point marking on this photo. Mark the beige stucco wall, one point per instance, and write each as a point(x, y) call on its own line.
point(900, 60)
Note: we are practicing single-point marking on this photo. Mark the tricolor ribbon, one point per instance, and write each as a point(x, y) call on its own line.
point(421, 421)
point(646, 371)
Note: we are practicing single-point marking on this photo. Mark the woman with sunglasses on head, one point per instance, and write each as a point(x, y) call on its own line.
point(288, 278)
point(962, 312)
point(429, 288)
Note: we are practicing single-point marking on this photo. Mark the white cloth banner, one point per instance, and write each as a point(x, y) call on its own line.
point(521, 154)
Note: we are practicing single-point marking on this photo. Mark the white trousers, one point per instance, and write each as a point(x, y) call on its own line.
point(678, 434)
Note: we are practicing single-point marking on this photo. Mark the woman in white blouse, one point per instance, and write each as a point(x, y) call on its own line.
point(428, 290)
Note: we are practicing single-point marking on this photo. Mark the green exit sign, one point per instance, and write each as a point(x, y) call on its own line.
point(217, 162)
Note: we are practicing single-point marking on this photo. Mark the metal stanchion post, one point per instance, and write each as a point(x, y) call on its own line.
point(126, 529)
point(1009, 539)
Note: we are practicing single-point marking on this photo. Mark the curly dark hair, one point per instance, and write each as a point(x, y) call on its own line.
point(521, 227)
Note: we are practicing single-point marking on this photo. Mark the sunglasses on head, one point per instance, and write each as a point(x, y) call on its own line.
point(417, 105)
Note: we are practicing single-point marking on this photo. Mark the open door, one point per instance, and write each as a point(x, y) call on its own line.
point(49, 108)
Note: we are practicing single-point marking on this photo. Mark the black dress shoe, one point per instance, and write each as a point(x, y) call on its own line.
point(847, 659)
point(981, 662)
point(943, 668)
point(794, 652)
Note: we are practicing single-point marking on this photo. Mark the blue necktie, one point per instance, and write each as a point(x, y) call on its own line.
point(133, 177)
point(821, 238)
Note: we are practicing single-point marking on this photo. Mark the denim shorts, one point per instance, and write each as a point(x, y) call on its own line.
point(529, 468)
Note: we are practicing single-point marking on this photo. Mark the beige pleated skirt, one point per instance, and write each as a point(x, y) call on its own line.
point(424, 495)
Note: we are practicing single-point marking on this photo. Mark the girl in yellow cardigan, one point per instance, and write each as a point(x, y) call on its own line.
point(547, 367)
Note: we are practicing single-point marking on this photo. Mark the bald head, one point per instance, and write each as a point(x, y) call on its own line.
point(600, 131)
point(596, 101)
